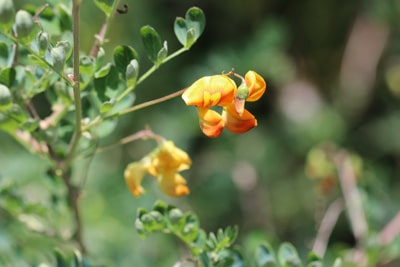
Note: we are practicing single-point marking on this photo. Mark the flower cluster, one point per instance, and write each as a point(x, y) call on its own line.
point(220, 90)
point(164, 163)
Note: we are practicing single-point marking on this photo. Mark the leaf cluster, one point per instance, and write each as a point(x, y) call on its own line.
point(215, 249)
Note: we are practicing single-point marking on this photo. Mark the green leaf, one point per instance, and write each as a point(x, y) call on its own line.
point(160, 206)
point(58, 56)
point(7, 76)
point(264, 256)
point(60, 259)
point(106, 106)
point(312, 256)
point(105, 6)
point(65, 18)
point(188, 30)
point(315, 264)
point(103, 71)
point(87, 65)
point(140, 228)
point(162, 54)
point(77, 259)
point(288, 256)
point(132, 73)
point(152, 42)
point(6, 14)
point(180, 30)
point(5, 98)
point(4, 53)
point(123, 55)
point(25, 26)
point(105, 128)
point(338, 263)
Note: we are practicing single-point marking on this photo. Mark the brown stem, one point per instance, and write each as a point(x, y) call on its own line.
point(100, 37)
point(73, 199)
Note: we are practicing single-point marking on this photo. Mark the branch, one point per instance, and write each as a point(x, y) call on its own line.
point(390, 231)
point(351, 196)
point(76, 85)
point(327, 224)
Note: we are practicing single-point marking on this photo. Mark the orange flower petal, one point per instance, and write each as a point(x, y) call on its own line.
point(217, 90)
point(256, 84)
point(236, 123)
point(211, 122)
point(173, 184)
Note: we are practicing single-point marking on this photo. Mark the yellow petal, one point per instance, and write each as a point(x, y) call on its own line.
point(168, 158)
point(256, 85)
point(238, 123)
point(173, 184)
point(211, 122)
point(217, 90)
point(134, 174)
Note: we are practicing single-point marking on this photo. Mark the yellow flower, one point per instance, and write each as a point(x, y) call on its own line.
point(163, 163)
point(220, 90)
point(134, 174)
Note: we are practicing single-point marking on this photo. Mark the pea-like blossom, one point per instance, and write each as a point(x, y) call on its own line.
point(220, 90)
point(164, 163)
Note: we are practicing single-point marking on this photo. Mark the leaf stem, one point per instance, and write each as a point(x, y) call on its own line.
point(150, 71)
point(99, 119)
point(100, 37)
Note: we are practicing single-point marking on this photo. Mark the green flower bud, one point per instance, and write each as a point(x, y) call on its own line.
point(5, 98)
point(6, 13)
point(58, 56)
point(24, 24)
point(175, 215)
point(43, 42)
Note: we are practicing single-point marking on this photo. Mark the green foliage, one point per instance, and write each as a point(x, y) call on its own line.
point(332, 111)
point(215, 249)
point(189, 29)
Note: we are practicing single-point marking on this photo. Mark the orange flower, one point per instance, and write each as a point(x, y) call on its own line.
point(217, 90)
point(164, 163)
point(220, 90)
point(211, 122)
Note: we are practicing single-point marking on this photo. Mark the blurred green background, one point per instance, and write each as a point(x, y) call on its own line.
point(333, 74)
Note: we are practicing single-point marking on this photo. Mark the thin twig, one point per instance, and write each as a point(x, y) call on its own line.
point(100, 38)
point(72, 191)
point(99, 119)
point(76, 86)
point(351, 196)
point(390, 231)
point(143, 134)
point(73, 199)
point(327, 224)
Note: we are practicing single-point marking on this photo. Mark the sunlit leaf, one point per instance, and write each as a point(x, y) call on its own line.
point(288, 256)
point(151, 41)
point(123, 55)
point(105, 6)
point(264, 256)
point(7, 76)
point(189, 29)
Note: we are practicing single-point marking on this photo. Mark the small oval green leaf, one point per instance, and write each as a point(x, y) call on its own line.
point(151, 41)
point(264, 256)
point(123, 55)
point(105, 6)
